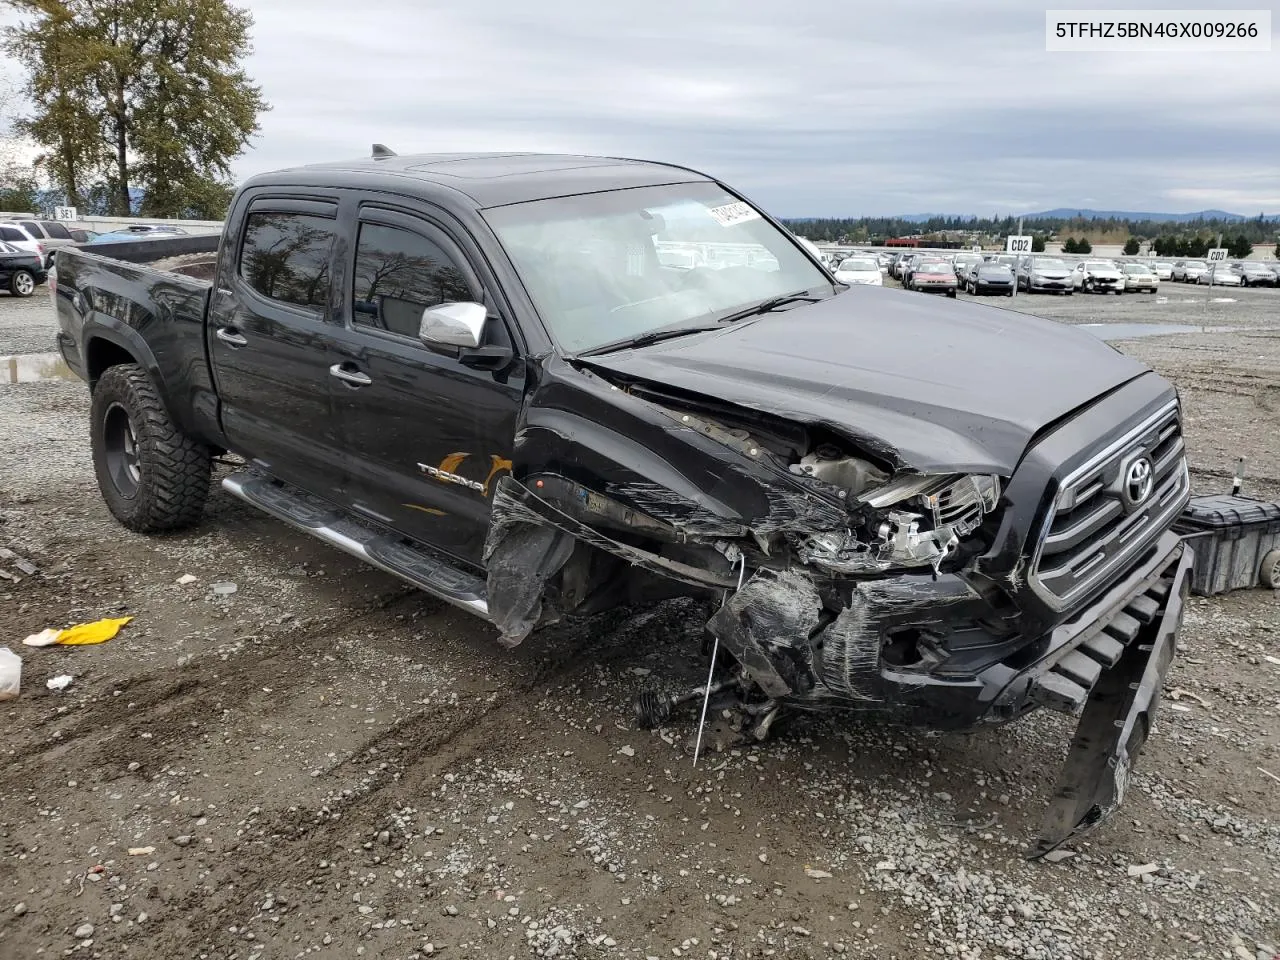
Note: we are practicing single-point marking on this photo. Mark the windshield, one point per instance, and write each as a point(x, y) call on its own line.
point(1050, 264)
point(1198, 263)
point(602, 267)
point(994, 266)
point(1099, 265)
point(934, 266)
point(1135, 268)
point(859, 266)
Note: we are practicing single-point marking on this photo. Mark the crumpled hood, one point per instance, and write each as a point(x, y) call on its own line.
point(1106, 273)
point(932, 385)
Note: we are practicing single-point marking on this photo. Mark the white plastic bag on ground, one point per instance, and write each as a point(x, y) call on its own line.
point(10, 674)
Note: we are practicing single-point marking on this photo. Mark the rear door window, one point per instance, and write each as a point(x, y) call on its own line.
point(56, 231)
point(285, 257)
point(13, 234)
point(32, 228)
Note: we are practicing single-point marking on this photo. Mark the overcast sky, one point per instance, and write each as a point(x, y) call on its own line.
point(848, 108)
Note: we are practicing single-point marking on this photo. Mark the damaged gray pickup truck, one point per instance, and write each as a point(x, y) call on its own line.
point(547, 385)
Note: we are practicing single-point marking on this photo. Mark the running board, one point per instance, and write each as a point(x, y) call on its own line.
point(334, 526)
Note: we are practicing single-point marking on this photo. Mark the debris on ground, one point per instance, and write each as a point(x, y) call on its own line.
point(223, 588)
point(82, 634)
point(185, 579)
point(60, 682)
point(10, 674)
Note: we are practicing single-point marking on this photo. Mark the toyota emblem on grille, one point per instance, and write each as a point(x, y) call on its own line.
point(1138, 480)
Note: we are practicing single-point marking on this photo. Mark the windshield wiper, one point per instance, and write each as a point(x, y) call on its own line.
point(645, 339)
point(765, 306)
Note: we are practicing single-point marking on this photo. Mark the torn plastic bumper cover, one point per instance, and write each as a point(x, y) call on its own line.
point(1117, 719)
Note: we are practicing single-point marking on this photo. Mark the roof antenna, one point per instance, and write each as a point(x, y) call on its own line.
point(381, 151)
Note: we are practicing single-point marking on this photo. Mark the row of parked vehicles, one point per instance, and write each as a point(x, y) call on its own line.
point(1006, 274)
point(28, 246)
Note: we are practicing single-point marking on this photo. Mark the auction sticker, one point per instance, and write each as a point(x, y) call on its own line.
point(733, 213)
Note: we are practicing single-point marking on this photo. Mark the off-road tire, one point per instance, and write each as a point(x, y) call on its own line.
point(22, 283)
point(169, 482)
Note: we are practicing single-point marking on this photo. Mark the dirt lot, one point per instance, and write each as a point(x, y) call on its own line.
point(327, 764)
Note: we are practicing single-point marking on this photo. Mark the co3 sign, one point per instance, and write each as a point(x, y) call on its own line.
point(1217, 255)
point(1017, 245)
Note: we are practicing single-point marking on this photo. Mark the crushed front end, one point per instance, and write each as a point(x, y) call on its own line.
point(845, 579)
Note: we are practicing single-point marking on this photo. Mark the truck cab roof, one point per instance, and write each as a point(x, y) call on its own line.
point(488, 179)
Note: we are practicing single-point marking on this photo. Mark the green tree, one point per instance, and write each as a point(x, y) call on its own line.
point(1277, 251)
point(139, 93)
point(1070, 246)
point(1239, 248)
point(1131, 247)
point(1037, 244)
point(1084, 246)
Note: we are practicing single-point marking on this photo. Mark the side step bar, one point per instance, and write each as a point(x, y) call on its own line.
point(424, 570)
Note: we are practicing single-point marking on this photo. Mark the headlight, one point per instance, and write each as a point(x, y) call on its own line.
point(914, 521)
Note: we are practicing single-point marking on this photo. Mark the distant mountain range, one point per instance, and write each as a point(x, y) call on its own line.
point(1066, 213)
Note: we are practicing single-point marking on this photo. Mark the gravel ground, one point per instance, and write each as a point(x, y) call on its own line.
point(327, 764)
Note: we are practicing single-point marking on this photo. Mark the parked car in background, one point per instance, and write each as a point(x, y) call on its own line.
point(933, 275)
point(962, 262)
point(1221, 275)
point(859, 270)
point(1138, 277)
point(989, 276)
point(17, 236)
point(82, 236)
point(1189, 271)
point(885, 259)
point(1163, 269)
point(20, 270)
point(51, 234)
point(910, 265)
point(1098, 276)
point(141, 231)
point(900, 263)
point(1044, 275)
point(1254, 274)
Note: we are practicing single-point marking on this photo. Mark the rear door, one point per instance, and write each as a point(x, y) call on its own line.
point(428, 436)
point(269, 332)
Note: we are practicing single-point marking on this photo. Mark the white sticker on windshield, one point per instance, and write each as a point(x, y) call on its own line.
point(733, 213)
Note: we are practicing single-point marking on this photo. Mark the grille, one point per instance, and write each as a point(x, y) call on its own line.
point(1096, 525)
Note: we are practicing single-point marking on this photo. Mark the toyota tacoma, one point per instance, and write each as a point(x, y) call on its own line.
point(545, 385)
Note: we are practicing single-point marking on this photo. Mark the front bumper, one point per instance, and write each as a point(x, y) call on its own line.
point(1047, 283)
point(1117, 718)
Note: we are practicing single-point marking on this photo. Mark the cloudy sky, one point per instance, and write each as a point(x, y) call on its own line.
point(849, 108)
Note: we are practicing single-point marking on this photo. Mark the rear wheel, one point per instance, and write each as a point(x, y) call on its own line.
point(151, 474)
point(1270, 573)
point(22, 283)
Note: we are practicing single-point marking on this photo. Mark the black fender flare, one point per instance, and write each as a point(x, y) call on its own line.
point(99, 326)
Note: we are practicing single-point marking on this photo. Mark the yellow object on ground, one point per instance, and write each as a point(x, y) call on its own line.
point(97, 632)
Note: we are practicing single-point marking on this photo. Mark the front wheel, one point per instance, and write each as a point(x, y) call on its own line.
point(22, 283)
point(151, 474)
point(952, 293)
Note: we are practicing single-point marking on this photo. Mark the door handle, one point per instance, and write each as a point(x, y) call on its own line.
point(353, 377)
point(229, 335)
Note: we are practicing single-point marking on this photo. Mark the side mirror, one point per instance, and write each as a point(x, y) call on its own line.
point(453, 324)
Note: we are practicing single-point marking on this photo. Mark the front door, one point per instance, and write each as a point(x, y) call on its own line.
point(269, 330)
point(427, 436)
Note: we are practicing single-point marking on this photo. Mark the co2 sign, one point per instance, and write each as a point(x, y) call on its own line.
point(1217, 255)
point(1017, 245)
